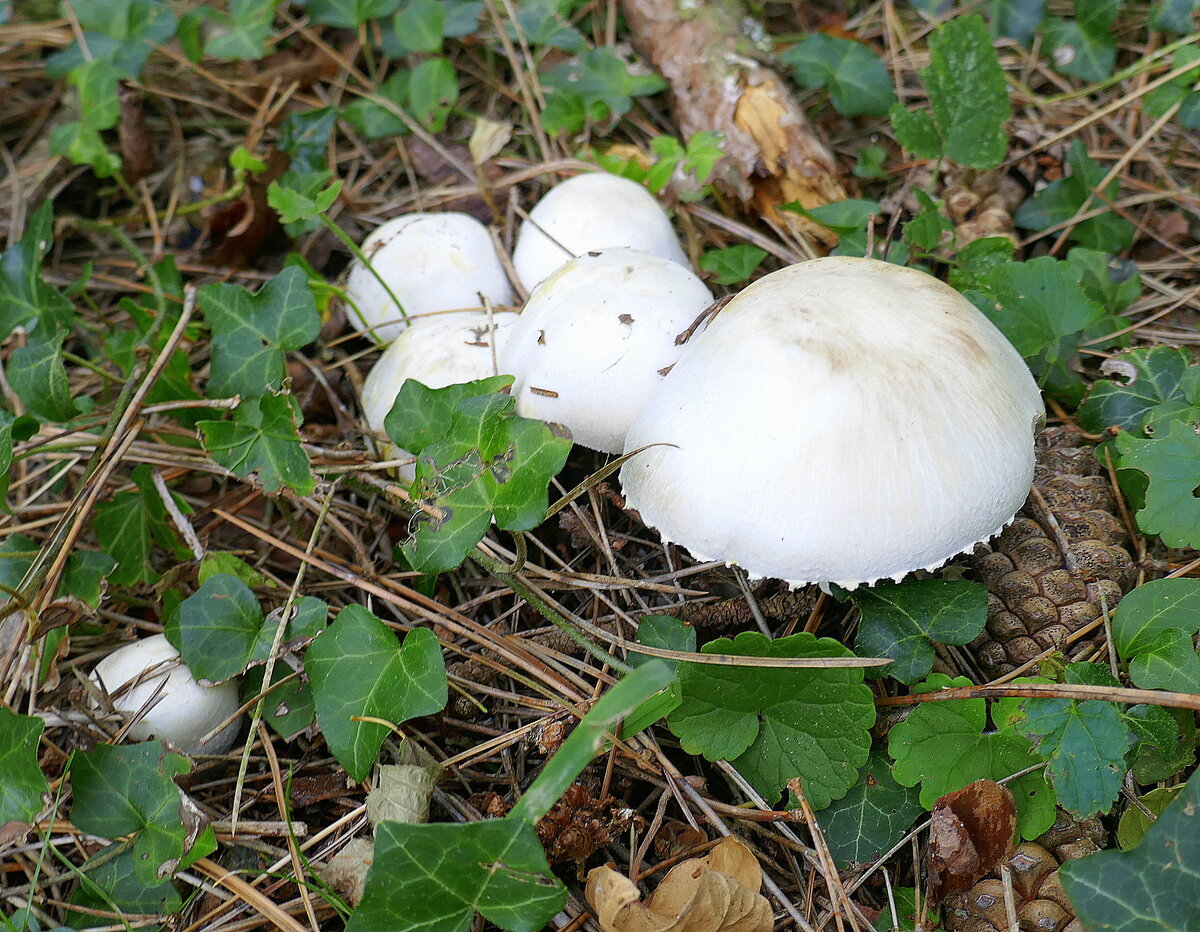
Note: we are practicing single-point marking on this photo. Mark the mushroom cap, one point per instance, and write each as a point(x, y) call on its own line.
point(185, 711)
point(839, 421)
point(589, 212)
point(437, 353)
point(432, 262)
point(588, 348)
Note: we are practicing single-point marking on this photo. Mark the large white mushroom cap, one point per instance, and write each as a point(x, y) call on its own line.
point(184, 712)
point(839, 421)
point(432, 262)
point(437, 353)
point(594, 339)
point(589, 212)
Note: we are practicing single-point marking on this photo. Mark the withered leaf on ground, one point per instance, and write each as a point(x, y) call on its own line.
point(971, 831)
point(716, 893)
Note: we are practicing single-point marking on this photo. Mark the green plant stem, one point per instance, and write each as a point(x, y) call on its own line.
point(521, 588)
point(358, 254)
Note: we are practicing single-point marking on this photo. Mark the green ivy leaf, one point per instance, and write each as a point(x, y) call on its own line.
point(348, 14)
point(358, 668)
point(1016, 19)
point(304, 136)
point(668, 632)
point(24, 784)
point(131, 789)
point(1061, 200)
point(109, 880)
point(1172, 465)
point(24, 297)
point(600, 83)
point(1084, 48)
point(85, 575)
point(1154, 886)
point(1170, 662)
point(39, 377)
point(289, 708)
point(421, 25)
point(925, 229)
point(1159, 384)
point(262, 438)
point(1039, 306)
point(475, 460)
point(217, 627)
point(1179, 90)
point(245, 30)
point(433, 92)
point(733, 264)
point(123, 32)
point(872, 817)
point(967, 94)
point(1084, 743)
point(775, 723)
point(130, 527)
point(301, 196)
point(902, 620)
point(1153, 609)
point(1175, 16)
point(251, 332)
point(848, 216)
point(1152, 763)
point(370, 118)
point(943, 746)
point(857, 80)
point(1111, 282)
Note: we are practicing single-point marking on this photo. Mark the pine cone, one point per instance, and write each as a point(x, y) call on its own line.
point(1041, 903)
point(1037, 598)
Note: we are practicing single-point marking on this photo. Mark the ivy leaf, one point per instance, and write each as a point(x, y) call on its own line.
point(1154, 886)
point(24, 297)
point(304, 136)
point(1039, 306)
point(1172, 465)
point(421, 25)
point(843, 217)
point(1159, 383)
point(131, 789)
point(856, 78)
point(39, 377)
point(24, 783)
point(925, 229)
point(1175, 16)
point(1179, 90)
point(122, 31)
point(775, 723)
point(1111, 282)
point(433, 92)
point(1168, 663)
point(348, 14)
point(968, 97)
point(1084, 48)
point(130, 526)
point(251, 332)
point(869, 819)
point(217, 627)
point(246, 28)
point(1084, 743)
point(1061, 200)
point(357, 667)
point(372, 119)
point(1016, 19)
point(109, 879)
point(733, 264)
point(475, 460)
point(668, 632)
point(943, 746)
point(901, 620)
point(302, 196)
point(262, 438)
point(1153, 609)
point(85, 574)
point(595, 86)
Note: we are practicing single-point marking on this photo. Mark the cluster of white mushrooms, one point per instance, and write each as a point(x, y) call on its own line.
point(840, 421)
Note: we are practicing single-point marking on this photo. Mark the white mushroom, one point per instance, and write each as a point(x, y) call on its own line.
point(432, 263)
point(596, 338)
point(589, 212)
point(177, 708)
point(459, 348)
point(839, 421)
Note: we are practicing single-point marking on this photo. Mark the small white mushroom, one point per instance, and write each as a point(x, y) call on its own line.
point(596, 338)
point(589, 212)
point(839, 421)
point(177, 708)
point(432, 263)
point(437, 353)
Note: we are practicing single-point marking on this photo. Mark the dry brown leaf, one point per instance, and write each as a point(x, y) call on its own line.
point(971, 832)
point(717, 893)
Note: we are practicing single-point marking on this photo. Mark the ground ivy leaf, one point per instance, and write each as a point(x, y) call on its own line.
point(869, 819)
point(943, 746)
point(1059, 201)
point(475, 460)
point(24, 784)
point(1084, 742)
point(131, 789)
point(1172, 466)
point(38, 376)
point(774, 723)
point(902, 620)
point(856, 78)
point(217, 628)
point(1155, 379)
point(262, 438)
point(251, 332)
point(435, 877)
point(358, 667)
point(1154, 886)
point(24, 297)
point(1153, 609)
